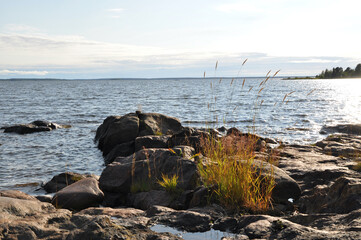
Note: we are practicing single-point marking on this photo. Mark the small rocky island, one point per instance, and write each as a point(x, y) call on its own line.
point(33, 127)
point(316, 189)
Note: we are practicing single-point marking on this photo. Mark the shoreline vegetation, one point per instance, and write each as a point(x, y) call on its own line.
point(335, 73)
point(338, 72)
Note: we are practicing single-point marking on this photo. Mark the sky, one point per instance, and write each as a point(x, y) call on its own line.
point(164, 38)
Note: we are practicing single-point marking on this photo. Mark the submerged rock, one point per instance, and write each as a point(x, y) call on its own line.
point(36, 126)
point(342, 128)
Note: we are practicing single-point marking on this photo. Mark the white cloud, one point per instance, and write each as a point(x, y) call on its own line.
point(20, 28)
point(20, 72)
point(315, 60)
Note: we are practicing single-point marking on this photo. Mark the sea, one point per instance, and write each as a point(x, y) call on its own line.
point(292, 111)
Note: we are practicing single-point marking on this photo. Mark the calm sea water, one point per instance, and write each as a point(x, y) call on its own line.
point(84, 104)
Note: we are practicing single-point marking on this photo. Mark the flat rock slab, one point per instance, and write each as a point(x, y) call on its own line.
point(310, 167)
point(27, 219)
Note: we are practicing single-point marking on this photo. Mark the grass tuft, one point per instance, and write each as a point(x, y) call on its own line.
point(228, 168)
point(169, 183)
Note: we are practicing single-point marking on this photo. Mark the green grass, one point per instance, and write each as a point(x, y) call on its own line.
point(169, 183)
point(228, 169)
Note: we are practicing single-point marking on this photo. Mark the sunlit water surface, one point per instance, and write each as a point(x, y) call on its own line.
point(84, 104)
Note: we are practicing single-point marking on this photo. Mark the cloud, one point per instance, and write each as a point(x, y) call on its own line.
point(21, 72)
point(75, 55)
point(316, 60)
point(20, 28)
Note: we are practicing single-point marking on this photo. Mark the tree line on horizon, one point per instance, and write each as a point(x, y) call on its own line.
point(338, 72)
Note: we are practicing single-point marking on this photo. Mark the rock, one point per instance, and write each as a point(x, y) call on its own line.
point(341, 145)
point(16, 194)
point(120, 150)
point(117, 130)
point(183, 220)
point(188, 137)
point(128, 217)
point(44, 198)
point(151, 142)
point(80, 195)
point(62, 180)
point(285, 188)
point(199, 197)
point(155, 123)
point(36, 126)
point(28, 219)
point(343, 128)
point(144, 168)
point(145, 200)
point(343, 196)
point(310, 167)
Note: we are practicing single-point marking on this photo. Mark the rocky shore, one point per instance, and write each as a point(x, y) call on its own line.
point(317, 193)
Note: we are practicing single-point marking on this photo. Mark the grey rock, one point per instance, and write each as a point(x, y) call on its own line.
point(155, 123)
point(146, 167)
point(79, 195)
point(117, 130)
point(343, 128)
point(151, 142)
point(36, 126)
point(145, 200)
point(120, 150)
point(62, 180)
point(16, 194)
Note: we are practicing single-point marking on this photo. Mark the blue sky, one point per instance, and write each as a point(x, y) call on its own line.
point(163, 38)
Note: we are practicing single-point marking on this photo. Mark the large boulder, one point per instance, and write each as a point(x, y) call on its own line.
point(36, 126)
point(62, 180)
point(157, 124)
point(142, 170)
point(80, 195)
point(117, 130)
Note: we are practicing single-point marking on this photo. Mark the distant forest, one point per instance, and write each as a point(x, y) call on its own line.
point(338, 72)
